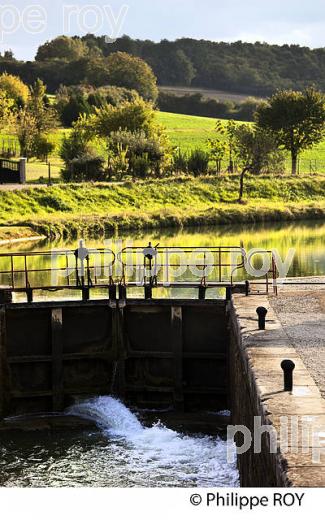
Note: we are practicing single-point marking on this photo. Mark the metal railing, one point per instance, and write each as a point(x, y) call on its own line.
point(149, 267)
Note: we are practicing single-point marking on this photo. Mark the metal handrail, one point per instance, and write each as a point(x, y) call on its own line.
point(142, 259)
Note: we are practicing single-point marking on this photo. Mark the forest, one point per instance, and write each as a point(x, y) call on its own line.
point(256, 69)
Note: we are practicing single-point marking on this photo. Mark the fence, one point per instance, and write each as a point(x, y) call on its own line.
point(12, 172)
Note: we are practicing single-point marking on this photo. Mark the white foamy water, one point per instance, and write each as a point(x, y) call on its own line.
point(158, 456)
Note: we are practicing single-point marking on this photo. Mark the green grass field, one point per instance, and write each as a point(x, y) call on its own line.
point(187, 132)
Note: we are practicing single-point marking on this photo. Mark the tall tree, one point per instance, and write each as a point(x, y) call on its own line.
point(255, 149)
point(296, 119)
point(14, 88)
point(44, 114)
point(133, 73)
point(62, 48)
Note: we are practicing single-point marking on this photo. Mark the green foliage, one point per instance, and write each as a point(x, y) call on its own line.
point(132, 116)
point(197, 105)
point(6, 111)
point(62, 48)
point(42, 147)
point(26, 131)
point(14, 88)
point(72, 102)
point(74, 145)
point(85, 167)
point(297, 120)
point(44, 114)
point(133, 73)
point(198, 162)
point(143, 154)
point(179, 161)
point(254, 69)
point(255, 149)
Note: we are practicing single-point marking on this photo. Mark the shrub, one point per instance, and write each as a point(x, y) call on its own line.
point(43, 147)
point(146, 154)
point(74, 145)
point(179, 161)
point(198, 162)
point(86, 167)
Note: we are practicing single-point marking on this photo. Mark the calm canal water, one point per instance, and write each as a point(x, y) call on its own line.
point(306, 238)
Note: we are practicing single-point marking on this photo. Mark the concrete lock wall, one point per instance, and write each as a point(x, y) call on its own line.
point(256, 469)
point(152, 354)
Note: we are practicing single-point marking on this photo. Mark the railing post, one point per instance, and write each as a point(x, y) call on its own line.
point(202, 292)
point(148, 292)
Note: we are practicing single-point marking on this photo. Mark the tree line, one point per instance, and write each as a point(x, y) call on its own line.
point(254, 68)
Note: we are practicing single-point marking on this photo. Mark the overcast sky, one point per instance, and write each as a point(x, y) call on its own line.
point(25, 25)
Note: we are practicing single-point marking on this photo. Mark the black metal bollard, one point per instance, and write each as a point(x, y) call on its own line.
point(261, 312)
point(288, 367)
point(228, 293)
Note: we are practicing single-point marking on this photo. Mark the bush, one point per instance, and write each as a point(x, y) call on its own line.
point(73, 145)
point(179, 161)
point(86, 167)
point(145, 154)
point(43, 147)
point(198, 162)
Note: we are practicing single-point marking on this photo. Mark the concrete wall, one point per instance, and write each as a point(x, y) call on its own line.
point(257, 390)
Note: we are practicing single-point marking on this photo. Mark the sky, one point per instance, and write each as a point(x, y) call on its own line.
point(24, 25)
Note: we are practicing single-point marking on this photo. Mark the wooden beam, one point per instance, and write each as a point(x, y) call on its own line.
point(177, 344)
point(57, 360)
point(4, 370)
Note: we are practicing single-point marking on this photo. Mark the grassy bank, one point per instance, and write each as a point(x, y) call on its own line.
point(95, 209)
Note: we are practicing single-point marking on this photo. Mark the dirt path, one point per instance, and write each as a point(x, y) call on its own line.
point(302, 314)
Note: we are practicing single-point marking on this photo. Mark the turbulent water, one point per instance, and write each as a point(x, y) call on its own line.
point(123, 453)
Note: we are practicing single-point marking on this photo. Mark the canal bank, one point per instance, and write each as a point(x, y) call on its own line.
point(102, 209)
point(295, 420)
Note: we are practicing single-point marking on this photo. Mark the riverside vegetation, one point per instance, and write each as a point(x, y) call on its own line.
point(98, 209)
point(120, 168)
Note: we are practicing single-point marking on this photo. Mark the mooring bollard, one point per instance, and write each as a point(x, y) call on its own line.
point(261, 312)
point(288, 367)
